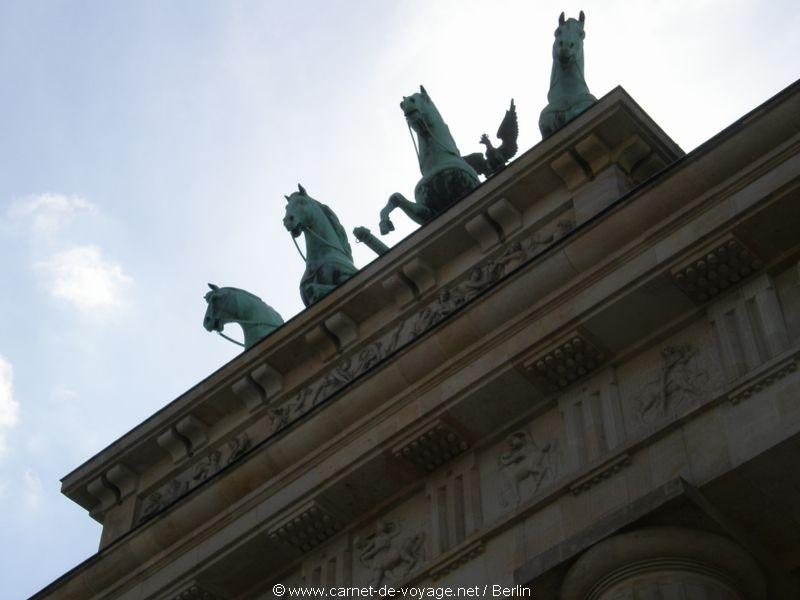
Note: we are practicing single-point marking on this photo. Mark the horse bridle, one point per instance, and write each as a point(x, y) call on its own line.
point(230, 339)
point(430, 132)
point(319, 238)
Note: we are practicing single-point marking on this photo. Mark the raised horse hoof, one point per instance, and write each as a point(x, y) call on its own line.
point(386, 226)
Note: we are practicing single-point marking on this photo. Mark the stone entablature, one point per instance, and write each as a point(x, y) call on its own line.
point(534, 454)
point(616, 137)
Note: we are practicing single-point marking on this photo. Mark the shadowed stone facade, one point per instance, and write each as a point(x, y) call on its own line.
point(581, 379)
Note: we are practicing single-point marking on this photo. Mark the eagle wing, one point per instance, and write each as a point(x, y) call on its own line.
point(508, 133)
point(477, 162)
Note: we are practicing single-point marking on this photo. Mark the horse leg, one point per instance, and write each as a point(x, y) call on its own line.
point(416, 212)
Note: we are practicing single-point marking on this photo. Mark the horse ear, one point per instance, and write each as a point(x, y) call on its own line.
point(213, 287)
point(301, 189)
point(422, 89)
point(582, 18)
point(287, 197)
point(561, 19)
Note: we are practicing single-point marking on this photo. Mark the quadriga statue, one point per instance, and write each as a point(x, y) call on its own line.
point(569, 95)
point(232, 305)
point(446, 176)
point(328, 258)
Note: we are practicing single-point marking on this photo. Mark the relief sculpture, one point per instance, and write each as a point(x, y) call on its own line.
point(447, 302)
point(524, 460)
point(681, 382)
point(387, 554)
point(192, 477)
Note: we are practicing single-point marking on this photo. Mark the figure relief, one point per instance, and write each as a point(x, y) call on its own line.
point(547, 236)
point(203, 469)
point(524, 460)
point(388, 554)
point(159, 499)
point(237, 447)
point(682, 380)
point(206, 467)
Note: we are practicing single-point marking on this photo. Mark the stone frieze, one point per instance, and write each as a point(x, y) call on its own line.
point(211, 463)
point(410, 328)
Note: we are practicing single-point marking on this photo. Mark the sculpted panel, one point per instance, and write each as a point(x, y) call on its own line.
point(682, 380)
point(193, 476)
point(389, 554)
point(525, 461)
point(392, 548)
point(670, 379)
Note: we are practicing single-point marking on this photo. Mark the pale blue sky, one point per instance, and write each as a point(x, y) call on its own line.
point(145, 148)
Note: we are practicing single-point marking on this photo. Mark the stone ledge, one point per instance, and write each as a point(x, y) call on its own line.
point(454, 559)
point(770, 372)
point(601, 473)
point(195, 592)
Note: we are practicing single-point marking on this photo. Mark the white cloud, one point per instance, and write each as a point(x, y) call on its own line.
point(83, 277)
point(9, 408)
point(49, 212)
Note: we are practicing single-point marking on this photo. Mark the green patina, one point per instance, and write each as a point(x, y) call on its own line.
point(232, 305)
point(446, 176)
point(569, 95)
point(495, 159)
point(364, 235)
point(329, 260)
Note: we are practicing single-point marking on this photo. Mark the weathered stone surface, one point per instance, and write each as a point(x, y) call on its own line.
point(691, 399)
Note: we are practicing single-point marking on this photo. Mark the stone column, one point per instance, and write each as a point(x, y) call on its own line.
point(664, 563)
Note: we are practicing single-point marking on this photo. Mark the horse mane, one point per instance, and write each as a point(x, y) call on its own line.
point(245, 292)
point(337, 228)
point(449, 143)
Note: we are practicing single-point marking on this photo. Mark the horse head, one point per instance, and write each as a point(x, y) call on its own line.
point(233, 305)
point(424, 118)
point(298, 211)
point(305, 214)
point(217, 312)
point(420, 112)
point(568, 45)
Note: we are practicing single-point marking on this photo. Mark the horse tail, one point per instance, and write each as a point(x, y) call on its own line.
point(338, 229)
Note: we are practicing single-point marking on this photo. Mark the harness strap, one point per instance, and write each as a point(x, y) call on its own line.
point(294, 239)
point(319, 238)
point(230, 339)
point(413, 141)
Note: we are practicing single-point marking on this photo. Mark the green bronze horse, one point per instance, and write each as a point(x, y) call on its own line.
point(232, 305)
point(446, 176)
point(329, 260)
point(569, 95)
